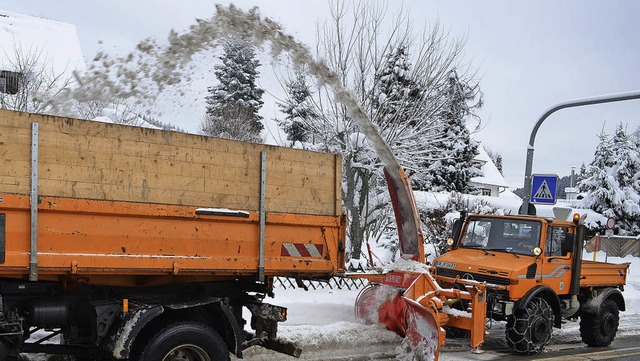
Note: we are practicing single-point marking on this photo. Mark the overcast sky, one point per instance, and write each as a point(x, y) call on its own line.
point(529, 55)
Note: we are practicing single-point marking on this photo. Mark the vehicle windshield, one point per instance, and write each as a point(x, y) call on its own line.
point(499, 234)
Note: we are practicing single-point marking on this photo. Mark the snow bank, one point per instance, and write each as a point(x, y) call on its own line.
point(326, 318)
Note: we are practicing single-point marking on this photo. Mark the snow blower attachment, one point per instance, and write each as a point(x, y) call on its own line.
point(409, 301)
point(421, 310)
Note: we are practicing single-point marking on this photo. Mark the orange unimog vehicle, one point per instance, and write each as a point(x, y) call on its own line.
point(525, 270)
point(141, 244)
point(536, 264)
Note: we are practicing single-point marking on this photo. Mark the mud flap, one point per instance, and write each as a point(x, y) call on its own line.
point(133, 322)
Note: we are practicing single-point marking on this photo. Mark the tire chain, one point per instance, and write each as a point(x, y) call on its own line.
point(524, 344)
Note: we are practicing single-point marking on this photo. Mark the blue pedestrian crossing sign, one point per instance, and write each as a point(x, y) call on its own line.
point(544, 188)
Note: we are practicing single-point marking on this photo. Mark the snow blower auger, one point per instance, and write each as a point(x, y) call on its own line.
point(421, 310)
point(408, 300)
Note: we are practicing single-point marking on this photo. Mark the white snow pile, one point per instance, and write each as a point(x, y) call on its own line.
point(338, 334)
point(406, 265)
point(632, 290)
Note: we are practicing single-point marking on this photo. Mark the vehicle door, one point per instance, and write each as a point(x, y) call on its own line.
point(556, 264)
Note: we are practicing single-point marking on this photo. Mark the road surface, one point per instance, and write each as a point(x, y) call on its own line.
point(565, 345)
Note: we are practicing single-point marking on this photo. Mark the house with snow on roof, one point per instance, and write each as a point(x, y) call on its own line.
point(491, 183)
point(31, 46)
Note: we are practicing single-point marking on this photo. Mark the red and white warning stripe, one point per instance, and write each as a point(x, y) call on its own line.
point(302, 250)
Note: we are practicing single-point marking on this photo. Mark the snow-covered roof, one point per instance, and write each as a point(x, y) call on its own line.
point(57, 43)
point(491, 173)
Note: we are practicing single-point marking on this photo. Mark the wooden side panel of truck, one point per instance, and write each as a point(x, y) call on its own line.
point(133, 202)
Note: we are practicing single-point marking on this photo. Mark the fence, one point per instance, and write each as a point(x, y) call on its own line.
point(615, 246)
point(334, 283)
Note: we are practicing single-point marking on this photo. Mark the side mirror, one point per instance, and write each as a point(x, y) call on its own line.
point(457, 225)
point(567, 243)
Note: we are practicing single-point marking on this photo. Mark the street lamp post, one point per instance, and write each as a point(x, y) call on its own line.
point(527, 207)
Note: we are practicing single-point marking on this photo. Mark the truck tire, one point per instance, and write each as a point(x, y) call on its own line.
point(599, 330)
point(529, 330)
point(185, 341)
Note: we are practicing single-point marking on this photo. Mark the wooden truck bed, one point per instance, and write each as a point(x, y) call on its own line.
point(150, 205)
point(599, 274)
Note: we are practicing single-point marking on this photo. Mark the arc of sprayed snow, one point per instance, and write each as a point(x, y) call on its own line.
point(165, 65)
point(251, 25)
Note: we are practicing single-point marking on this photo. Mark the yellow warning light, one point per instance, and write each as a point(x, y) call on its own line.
point(125, 305)
point(576, 217)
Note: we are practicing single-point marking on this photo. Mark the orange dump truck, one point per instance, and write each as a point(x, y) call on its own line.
point(142, 244)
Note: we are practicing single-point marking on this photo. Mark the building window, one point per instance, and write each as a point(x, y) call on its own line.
point(9, 81)
point(485, 191)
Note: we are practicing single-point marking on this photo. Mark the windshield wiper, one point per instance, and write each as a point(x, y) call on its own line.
point(480, 247)
point(504, 250)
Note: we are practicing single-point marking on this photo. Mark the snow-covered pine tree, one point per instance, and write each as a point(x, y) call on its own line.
point(600, 189)
point(626, 165)
point(498, 163)
point(611, 179)
point(496, 158)
point(297, 110)
point(582, 174)
point(395, 94)
point(396, 97)
point(454, 167)
point(233, 105)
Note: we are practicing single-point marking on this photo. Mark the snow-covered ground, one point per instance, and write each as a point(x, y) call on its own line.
point(323, 324)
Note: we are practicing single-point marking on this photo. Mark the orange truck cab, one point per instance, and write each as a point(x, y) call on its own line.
point(537, 264)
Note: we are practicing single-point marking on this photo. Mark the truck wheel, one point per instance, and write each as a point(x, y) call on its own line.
point(186, 341)
point(529, 330)
point(598, 330)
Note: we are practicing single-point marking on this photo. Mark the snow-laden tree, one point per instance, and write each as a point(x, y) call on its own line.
point(233, 104)
point(582, 174)
point(358, 47)
point(612, 184)
point(454, 165)
point(496, 158)
point(395, 94)
point(297, 109)
point(601, 188)
point(627, 167)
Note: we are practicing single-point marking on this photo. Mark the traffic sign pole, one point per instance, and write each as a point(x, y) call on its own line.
point(527, 207)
